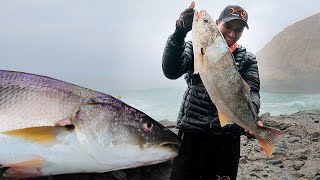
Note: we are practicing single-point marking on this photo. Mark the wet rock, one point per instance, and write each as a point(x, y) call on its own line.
point(297, 165)
point(296, 156)
point(303, 157)
point(317, 155)
point(294, 139)
point(242, 160)
point(315, 136)
point(308, 172)
point(297, 175)
point(265, 115)
point(258, 148)
point(257, 169)
point(274, 169)
point(317, 177)
point(253, 174)
point(296, 130)
point(303, 178)
point(119, 175)
point(274, 162)
point(256, 157)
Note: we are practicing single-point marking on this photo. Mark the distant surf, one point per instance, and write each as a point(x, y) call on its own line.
point(164, 103)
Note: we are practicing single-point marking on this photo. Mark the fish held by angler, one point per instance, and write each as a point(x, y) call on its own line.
point(226, 88)
point(51, 127)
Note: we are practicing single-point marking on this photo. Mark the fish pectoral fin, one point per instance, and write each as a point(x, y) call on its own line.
point(271, 137)
point(202, 64)
point(196, 66)
point(24, 169)
point(198, 62)
point(22, 173)
point(33, 163)
point(41, 134)
point(224, 119)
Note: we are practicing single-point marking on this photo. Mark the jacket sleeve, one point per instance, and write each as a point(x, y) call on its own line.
point(251, 76)
point(177, 58)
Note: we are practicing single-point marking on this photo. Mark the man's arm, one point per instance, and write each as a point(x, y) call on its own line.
point(177, 57)
point(251, 76)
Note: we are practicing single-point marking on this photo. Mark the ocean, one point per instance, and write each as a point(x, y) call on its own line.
point(164, 103)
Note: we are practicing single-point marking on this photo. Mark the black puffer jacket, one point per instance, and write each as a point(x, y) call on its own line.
point(197, 113)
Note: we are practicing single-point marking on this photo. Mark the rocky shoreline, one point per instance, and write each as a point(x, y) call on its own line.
point(297, 156)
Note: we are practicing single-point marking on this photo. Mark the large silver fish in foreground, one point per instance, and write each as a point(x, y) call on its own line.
point(52, 127)
point(226, 88)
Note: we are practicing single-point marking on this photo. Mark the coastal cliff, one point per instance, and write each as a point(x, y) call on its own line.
point(290, 62)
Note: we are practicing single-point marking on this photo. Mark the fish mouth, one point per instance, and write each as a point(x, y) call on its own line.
point(170, 145)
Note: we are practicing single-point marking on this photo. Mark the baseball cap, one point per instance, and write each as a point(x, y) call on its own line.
point(232, 12)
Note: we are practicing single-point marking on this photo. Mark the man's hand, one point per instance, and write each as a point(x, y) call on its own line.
point(184, 23)
point(249, 134)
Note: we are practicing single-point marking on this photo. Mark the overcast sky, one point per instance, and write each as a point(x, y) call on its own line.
point(110, 44)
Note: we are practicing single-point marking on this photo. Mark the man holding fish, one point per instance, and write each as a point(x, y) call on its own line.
point(223, 86)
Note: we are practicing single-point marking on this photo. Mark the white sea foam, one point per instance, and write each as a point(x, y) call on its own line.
point(164, 103)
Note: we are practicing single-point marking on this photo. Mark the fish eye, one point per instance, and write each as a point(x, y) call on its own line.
point(147, 126)
point(205, 21)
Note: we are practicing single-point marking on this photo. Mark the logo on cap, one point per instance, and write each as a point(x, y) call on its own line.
point(238, 12)
point(232, 12)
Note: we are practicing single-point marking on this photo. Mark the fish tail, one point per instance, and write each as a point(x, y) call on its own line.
point(271, 137)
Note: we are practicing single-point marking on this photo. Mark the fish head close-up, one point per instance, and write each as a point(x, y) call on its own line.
point(134, 136)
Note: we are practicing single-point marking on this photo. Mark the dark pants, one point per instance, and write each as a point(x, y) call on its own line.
point(207, 157)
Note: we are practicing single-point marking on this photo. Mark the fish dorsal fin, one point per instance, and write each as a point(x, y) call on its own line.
point(41, 134)
point(224, 119)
